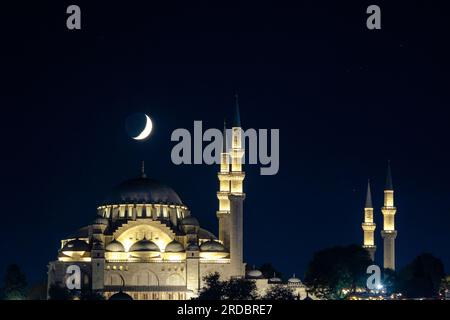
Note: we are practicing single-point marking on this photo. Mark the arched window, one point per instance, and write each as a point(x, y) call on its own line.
point(115, 279)
point(145, 278)
point(175, 280)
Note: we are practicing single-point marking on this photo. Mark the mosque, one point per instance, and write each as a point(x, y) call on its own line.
point(146, 245)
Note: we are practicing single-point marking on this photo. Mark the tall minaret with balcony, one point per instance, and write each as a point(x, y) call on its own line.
point(389, 233)
point(368, 225)
point(223, 214)
point(236, 197)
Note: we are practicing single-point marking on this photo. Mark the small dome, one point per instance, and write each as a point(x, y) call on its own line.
point(144, 245)
point(275, 279)
point(101, 221)
point(174, 246)
point(121, 296)
point(192, 247)
point(294, 280)
point(212, 246)
point(190, 221)
point(254, 273)
point(76, 246)
point(115, 246)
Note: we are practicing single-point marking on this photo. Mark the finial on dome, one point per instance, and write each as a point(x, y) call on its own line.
point(143, 175)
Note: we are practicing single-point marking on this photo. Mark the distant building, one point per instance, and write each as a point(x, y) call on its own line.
point(264, 284)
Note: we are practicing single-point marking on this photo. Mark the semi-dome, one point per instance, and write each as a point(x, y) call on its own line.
point(212, 246)
point(115, 246)
point(76, 245)
point(143, 190)
point(190, 221)
point(174, 246)
point(144, 245)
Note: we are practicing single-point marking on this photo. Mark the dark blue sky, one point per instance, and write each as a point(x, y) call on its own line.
point(345, 99)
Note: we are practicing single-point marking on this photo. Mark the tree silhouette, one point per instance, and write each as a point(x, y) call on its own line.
point(391, 281)
point(88, 294)
point(279, 292)
point(234, 289)
point(57, 292)
point(15, 284)
point(240, 289)
point(334, 269)
point(422, 277)
point(213, 289)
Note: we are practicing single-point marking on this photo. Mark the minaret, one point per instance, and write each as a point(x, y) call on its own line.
point(389, 233)
point(368, 225)
point(223, 214)
point(236, 197)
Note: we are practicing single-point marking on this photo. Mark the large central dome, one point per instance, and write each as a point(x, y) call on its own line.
point(143, 190)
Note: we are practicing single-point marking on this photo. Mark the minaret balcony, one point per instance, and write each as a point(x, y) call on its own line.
point(223, 195)
point(222, 213)
point(237, 176)
point(223, 176)
point(369, 226)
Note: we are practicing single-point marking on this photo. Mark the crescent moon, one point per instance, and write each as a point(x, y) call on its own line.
point(147, 130)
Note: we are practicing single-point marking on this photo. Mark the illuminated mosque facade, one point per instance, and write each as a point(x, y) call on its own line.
point(146, 245)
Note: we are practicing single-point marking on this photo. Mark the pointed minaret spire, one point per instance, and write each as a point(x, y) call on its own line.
point(368, 196)
point(237, 115)
point(143, 175)
point(224, 143)
point(389, 185)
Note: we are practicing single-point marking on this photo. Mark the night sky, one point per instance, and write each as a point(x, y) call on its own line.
point(346, 100)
